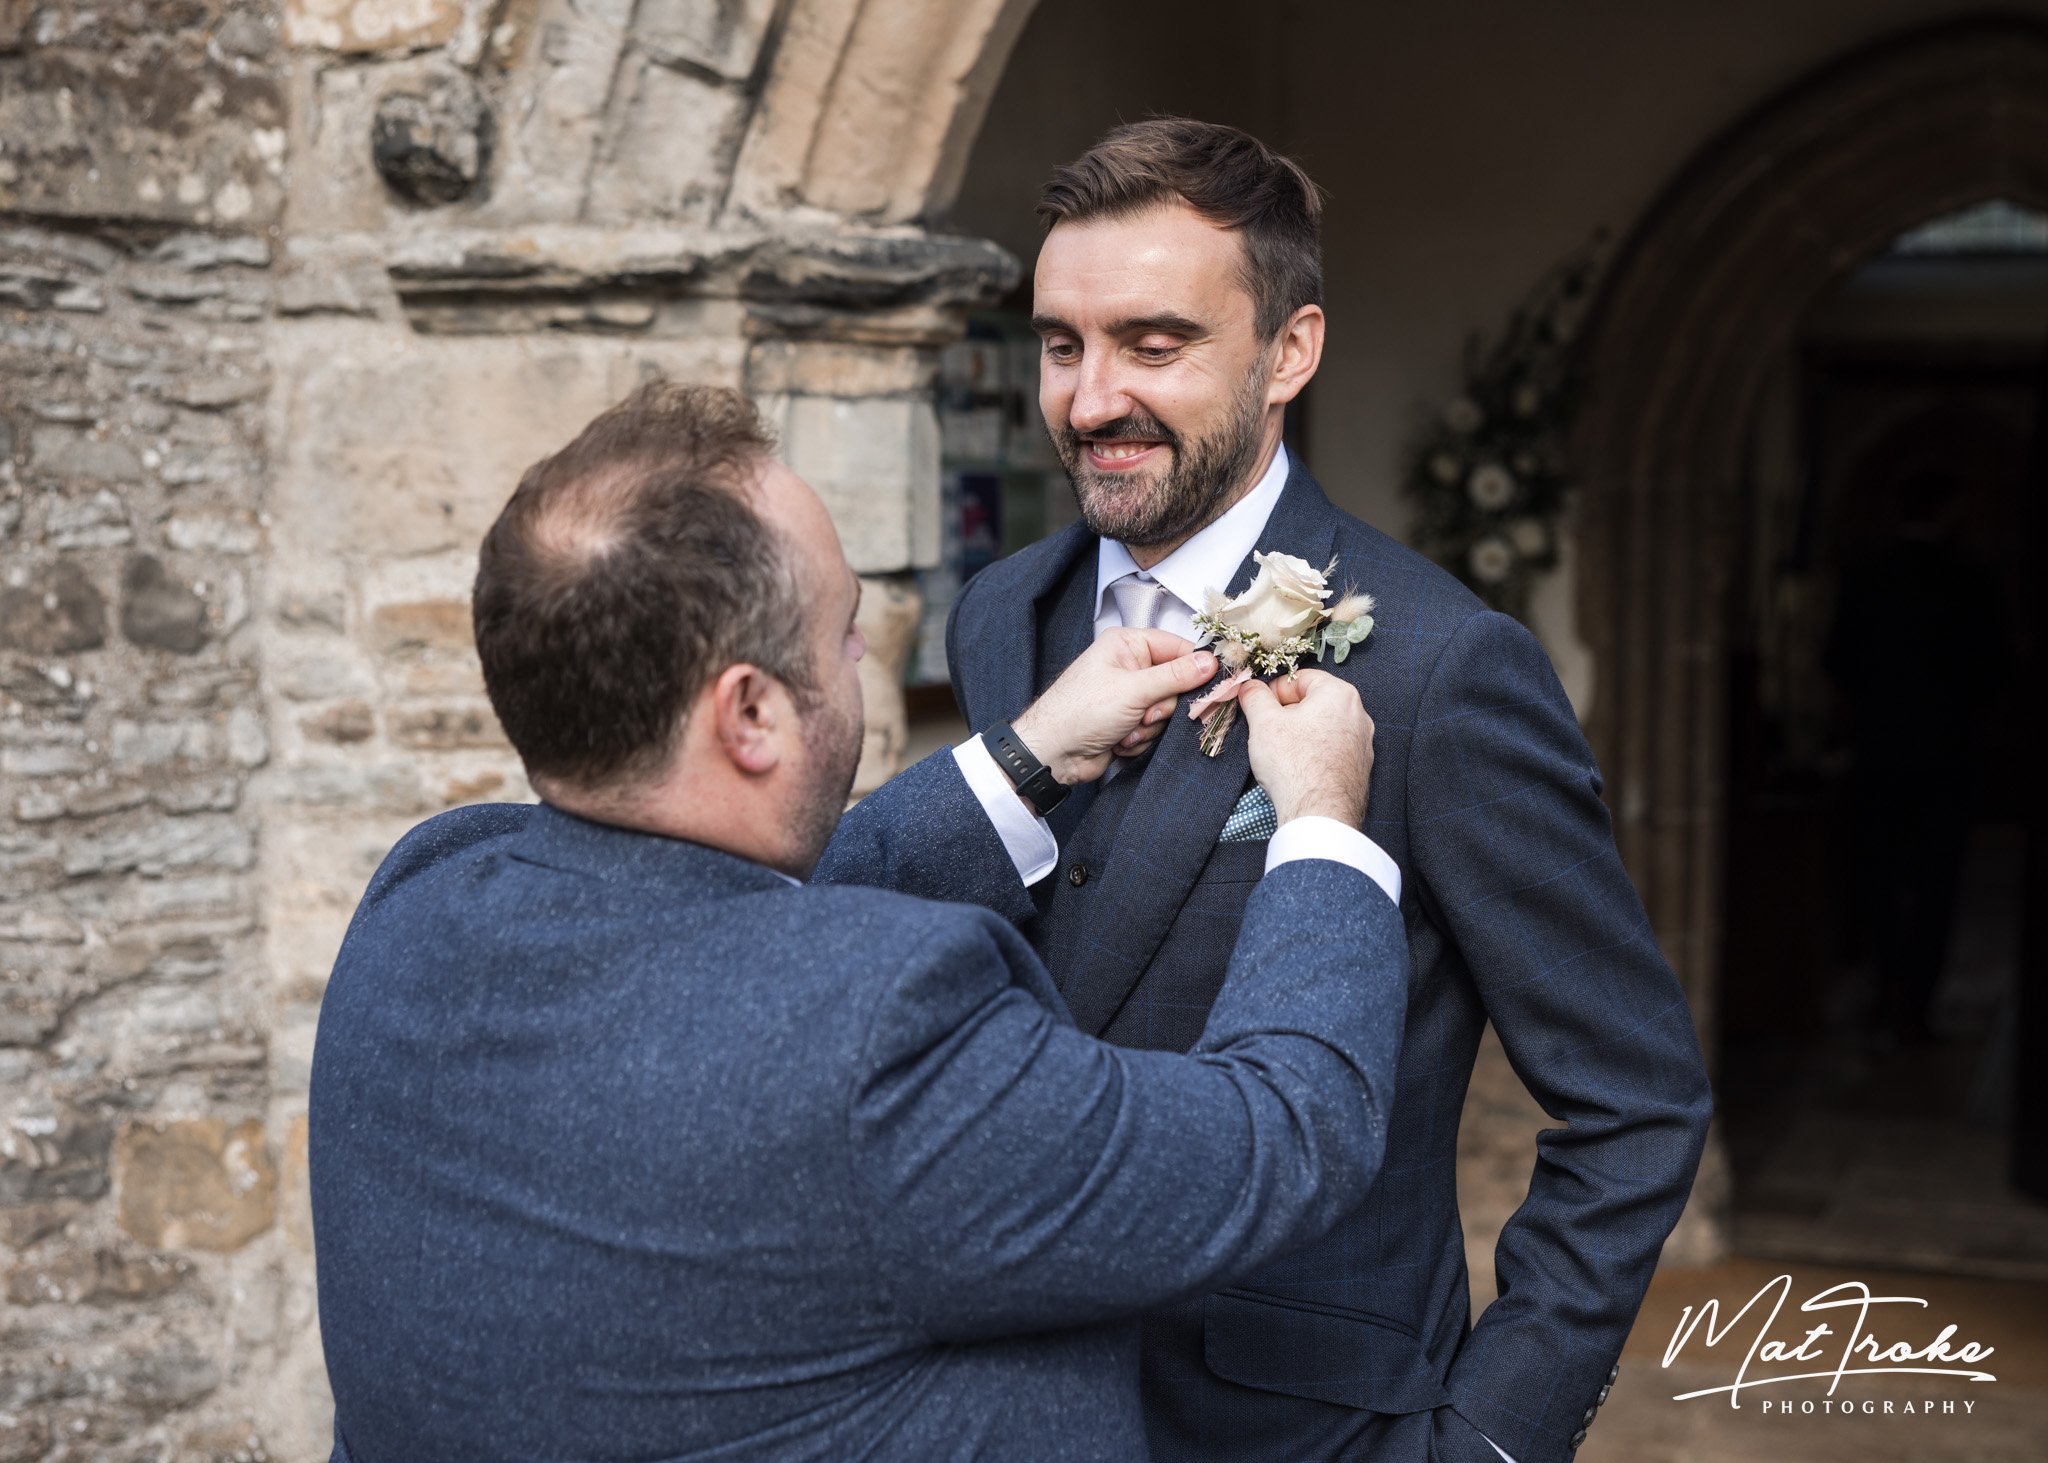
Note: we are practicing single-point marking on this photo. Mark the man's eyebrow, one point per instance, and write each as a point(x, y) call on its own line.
point(1166, 323)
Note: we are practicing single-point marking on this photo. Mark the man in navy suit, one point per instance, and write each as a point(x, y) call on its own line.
point(626, 1144)
point(1177, 297)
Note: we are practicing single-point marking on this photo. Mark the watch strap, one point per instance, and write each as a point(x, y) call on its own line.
point(1032, 778)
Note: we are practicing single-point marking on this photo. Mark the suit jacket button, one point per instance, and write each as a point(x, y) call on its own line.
point(1601, 1400)
point(1077, 875)
point(1578, 1437)
point(1613, 1372)
point(1588, 1418)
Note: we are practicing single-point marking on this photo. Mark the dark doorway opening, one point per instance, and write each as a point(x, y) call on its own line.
point(1880, 774)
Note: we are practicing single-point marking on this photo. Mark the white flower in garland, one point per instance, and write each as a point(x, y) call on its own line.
point(1492, 487)
point(1530, 537)
point(1527, 401)
point(1445, 467)
point(1492, 560)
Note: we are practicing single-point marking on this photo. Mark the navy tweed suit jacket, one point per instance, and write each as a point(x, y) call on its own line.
point(625, 1148)
point(1518, 911)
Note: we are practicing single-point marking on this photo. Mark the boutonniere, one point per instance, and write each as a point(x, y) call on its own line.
point(1268, 629)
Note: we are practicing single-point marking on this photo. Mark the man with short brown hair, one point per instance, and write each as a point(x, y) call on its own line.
point(625, 1143)
point(1178, 296)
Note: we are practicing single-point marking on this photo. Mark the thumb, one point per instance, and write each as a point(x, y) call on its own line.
point(1164, 645)
point(1257, 700)
point(1174, 679)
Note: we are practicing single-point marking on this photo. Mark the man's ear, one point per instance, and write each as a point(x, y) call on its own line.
point(748, 707)
point(1298, 351)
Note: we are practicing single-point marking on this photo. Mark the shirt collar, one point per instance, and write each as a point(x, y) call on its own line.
point(1209, 560)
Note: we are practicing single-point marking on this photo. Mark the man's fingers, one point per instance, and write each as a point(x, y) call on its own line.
point(1288, 690)
point(1169, 682)
point(1139, 739)
point(1163, 645)
point(1257, 700)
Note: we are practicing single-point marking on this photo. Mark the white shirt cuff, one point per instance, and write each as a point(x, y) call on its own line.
point(1299, 838)
point(1028, 840)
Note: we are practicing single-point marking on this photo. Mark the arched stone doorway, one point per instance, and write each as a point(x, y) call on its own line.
point(1712, 281)
point(1699, 309)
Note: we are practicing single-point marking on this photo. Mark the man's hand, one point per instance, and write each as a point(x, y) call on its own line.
point(1311, 745)
point(1113, 700)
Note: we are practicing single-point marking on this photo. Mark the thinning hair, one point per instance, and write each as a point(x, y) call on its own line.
point(1228, 177)
point(626, 572)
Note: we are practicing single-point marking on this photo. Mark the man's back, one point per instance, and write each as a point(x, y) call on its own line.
point(626, 1148)
point(570, 1193)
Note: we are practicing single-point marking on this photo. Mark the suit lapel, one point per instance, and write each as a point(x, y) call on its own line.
point(1007, 647)
point(1180, 805)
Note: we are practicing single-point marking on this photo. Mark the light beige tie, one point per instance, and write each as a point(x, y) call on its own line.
point(1141, 600)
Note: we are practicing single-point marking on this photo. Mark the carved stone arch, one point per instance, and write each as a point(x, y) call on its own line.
point(1702, 299)
point(871, 106)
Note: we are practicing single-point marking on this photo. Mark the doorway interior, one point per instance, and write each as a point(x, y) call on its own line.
point(1878, 750)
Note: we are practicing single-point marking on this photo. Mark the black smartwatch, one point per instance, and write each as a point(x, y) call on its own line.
point(1032, 778)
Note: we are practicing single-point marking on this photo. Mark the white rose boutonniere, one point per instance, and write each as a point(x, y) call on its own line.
point(1269, 628)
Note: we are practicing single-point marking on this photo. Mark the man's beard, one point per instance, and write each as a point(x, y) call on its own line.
point(1195, 489)
point(832, 743)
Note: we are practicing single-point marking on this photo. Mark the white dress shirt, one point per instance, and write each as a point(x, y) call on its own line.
point(1206, 561)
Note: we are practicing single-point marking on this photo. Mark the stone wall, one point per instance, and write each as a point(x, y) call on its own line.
point(290, 293)
point(141, 1141)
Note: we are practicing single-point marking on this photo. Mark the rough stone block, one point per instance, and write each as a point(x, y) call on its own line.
point(444, 728)
point(724, 38)
point(888, 619)
point(213, 533)
point(401, 474)
point(159, 611)
point(371, 25)
point(160, 743)
point(96, 522)
point(94, 133)
point(875, 462)
point(194, 1184)
point(45, 1157)
point(304, 609)
point(95, 1277)
point(196, 842)
point(301, 674)
point(429, 679)
point(211, 251)
point(669, 150)
point(54, 758)
point(57, 612)
point(213, 393)
point(422, 625)
point(159, 1376)
point(387, 787)
point(66, 452)
point(835, 368)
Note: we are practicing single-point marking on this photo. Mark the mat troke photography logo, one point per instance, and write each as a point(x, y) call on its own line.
point(1842, 1331)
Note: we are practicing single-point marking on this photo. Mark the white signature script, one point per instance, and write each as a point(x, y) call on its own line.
point(1859, 1345)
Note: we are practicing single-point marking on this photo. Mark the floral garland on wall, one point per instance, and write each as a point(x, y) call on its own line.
point(1490, 476)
